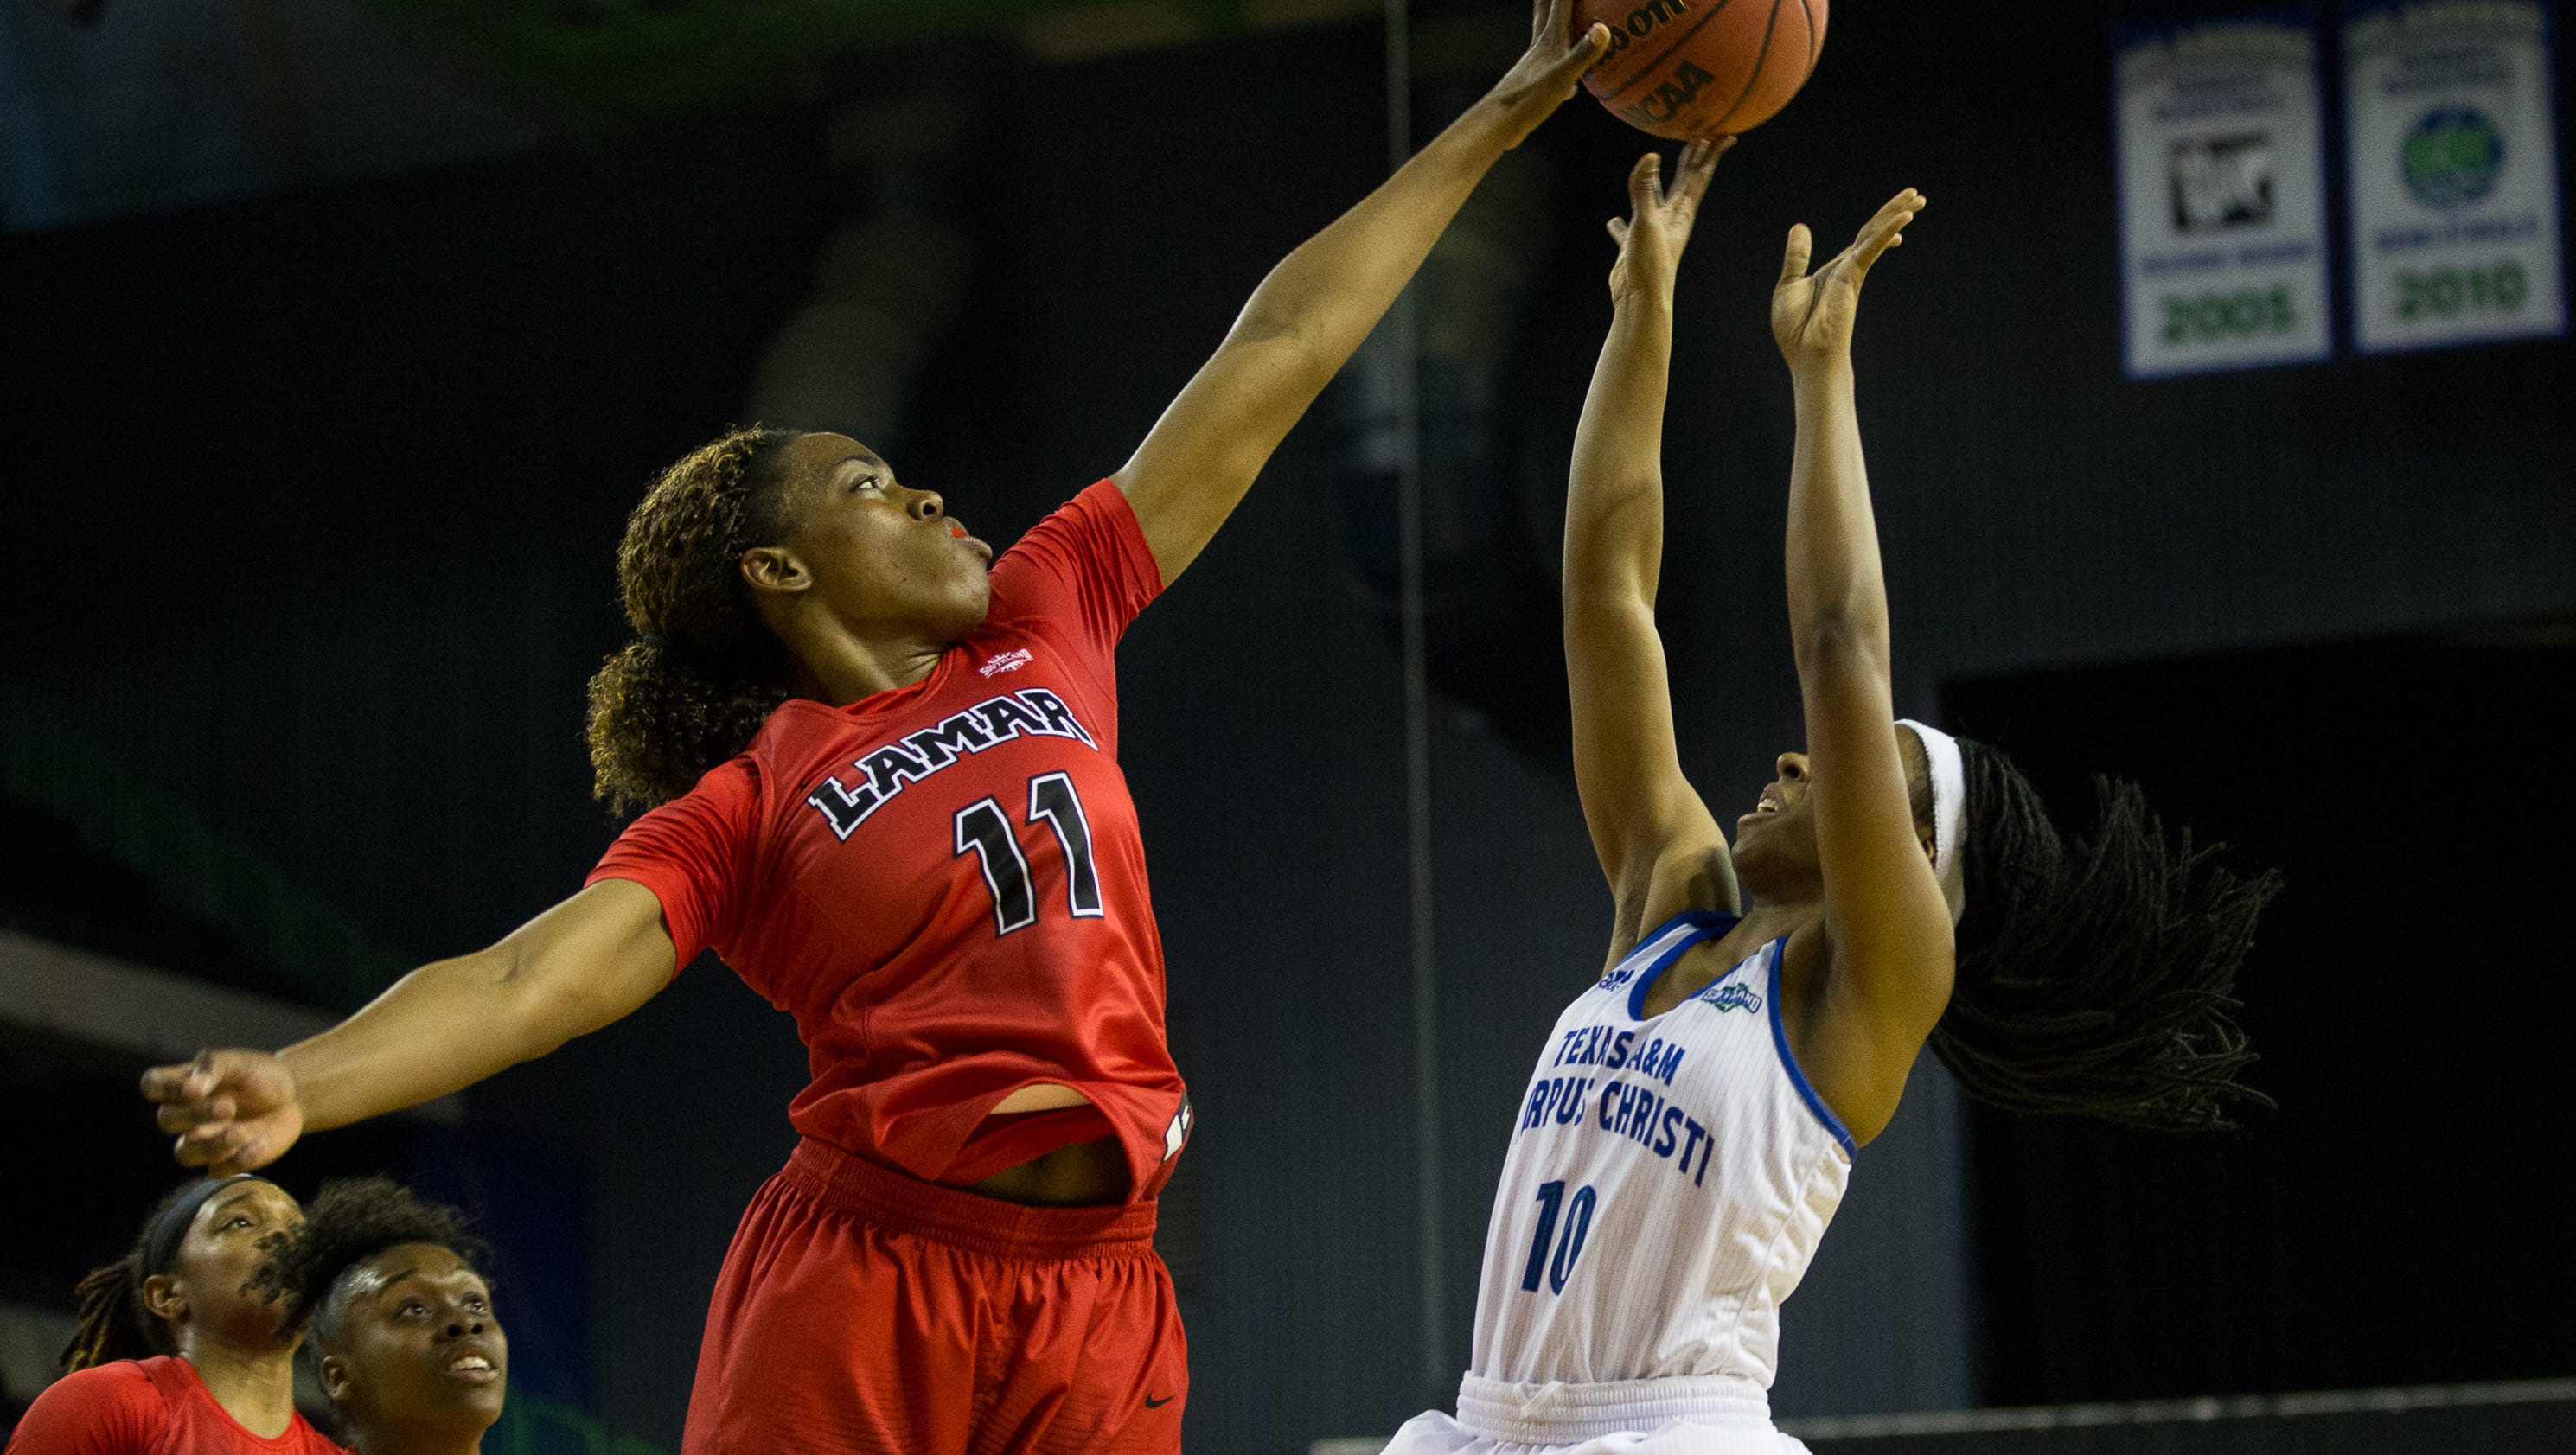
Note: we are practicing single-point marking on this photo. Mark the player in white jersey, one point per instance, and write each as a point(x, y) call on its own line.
point(1694, 1114)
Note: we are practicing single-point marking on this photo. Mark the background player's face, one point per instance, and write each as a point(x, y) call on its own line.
point(207, 1294)
point(415, 1352)
point(1775, 845)
point(885, 560)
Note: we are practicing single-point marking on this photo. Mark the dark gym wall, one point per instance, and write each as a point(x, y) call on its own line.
point(2407, 999)
point(314, 502)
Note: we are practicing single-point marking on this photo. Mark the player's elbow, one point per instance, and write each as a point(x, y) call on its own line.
point(1606, 602)
point(1834, 642)
point(1283, 341)
point(534, 1005)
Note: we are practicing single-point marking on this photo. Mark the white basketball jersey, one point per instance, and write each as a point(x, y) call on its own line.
point(1668, 1181)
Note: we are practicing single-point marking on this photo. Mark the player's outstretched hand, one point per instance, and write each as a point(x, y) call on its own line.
point(1658, 225)
point(1549, 70)
point(232, 1110)
point(1812, 314)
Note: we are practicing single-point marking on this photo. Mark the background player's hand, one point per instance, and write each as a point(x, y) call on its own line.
point(1548, 71)
point(1658, 225)
point(233, 1110)
point(1812, 315)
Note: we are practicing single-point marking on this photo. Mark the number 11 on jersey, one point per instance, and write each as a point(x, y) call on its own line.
point(985, 831)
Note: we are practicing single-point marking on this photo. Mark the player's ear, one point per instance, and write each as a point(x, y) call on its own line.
point(165, 1297)
point(775, 568)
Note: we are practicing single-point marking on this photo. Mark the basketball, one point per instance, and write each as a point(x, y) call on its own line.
point(1693, 68)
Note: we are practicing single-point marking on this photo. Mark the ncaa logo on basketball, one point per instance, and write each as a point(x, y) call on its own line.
point(1671, 96)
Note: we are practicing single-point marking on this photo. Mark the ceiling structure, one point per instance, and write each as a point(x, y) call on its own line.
point(112, 107)
point(639, 58)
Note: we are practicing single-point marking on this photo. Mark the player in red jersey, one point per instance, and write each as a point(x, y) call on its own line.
point(177, 1352)
point(884, 786)
point(405, 1339)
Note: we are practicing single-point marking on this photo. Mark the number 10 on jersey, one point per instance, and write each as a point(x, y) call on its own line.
point(985, 831)
point(1577, 1212)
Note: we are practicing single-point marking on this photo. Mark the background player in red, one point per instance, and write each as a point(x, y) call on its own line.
point(885, 788)
point(405, 1338)
point(178, 1352)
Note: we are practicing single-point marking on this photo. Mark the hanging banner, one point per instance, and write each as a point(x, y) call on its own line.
point(2453, 148)
point(2222, 194)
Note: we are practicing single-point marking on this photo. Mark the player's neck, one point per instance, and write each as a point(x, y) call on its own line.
point(413, 1440)
point(1767, 920)
point(256, 1388)
point(844, 669)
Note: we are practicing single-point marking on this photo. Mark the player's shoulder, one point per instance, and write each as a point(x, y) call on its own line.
point(122, 1377)
point(1100, 504)
point(729, 790)
point(1095, 536)
point(98, 1405)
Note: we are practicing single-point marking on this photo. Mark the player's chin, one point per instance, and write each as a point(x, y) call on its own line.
point(1752, 851)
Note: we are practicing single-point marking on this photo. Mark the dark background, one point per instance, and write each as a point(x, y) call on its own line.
point(313, 499)
point(2404, 1004)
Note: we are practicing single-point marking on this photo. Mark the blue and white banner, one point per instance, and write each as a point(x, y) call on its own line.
point(2453, 148)
point(2222, 194)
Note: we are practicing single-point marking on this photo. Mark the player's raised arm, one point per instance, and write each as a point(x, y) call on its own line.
point(1320, 302)
point(573, 969)
point(1885, 919)
point(1658, 845)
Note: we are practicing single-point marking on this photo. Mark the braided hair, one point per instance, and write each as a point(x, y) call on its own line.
point(348, 1222)
point(2095, 973)
point(114, 1322)
point(706, 670)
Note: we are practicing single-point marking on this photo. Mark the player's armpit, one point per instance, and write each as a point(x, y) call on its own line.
point(1694, 875)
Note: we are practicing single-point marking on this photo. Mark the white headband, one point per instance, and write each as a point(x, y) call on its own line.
point(1949, 811)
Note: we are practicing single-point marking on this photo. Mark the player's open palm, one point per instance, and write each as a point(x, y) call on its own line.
point(1812, 313)
point(1658, 225)
point(232, 1110)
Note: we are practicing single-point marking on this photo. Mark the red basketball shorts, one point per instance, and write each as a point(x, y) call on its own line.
point(864, 1312)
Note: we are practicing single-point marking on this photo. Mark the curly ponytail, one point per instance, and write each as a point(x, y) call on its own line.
point(706, 671)
point(2095, 974)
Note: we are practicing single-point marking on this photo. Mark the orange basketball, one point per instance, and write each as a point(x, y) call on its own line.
point(1693, 68)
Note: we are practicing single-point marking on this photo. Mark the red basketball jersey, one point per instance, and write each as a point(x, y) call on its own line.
point(155, 1406)
point(944, 883)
